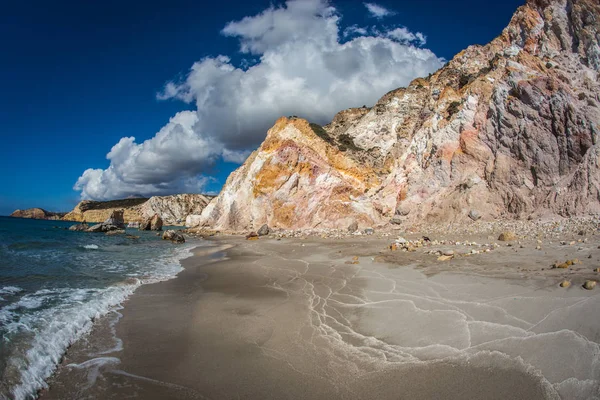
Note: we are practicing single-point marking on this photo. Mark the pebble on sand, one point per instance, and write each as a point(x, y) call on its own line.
point(565, 284)
point(589, 285)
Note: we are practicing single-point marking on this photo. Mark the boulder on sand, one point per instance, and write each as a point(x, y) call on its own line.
point(252, 236)
point(589, 285)
point(353, 227)
point(507, 236)
point(173, 236)
point(264, 230)
point(474, 215)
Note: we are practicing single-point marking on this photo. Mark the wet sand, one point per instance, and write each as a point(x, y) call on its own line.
point(299, 319)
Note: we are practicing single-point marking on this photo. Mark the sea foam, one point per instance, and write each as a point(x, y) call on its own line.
point(55, 318)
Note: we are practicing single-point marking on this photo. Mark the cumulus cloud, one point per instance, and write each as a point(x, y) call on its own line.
point(165, 164)
point(302, 68)
point(378, 11)
point(403, 35)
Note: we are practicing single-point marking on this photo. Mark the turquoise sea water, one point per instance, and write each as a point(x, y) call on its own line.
point(54, 283)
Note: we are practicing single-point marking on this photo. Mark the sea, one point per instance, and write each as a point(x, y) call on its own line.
point(54, 283)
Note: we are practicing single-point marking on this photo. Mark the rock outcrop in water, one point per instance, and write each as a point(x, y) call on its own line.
point(506, 130)
point(155, 223)
point(173, 236)
point(173, 210)
point(114, 222)
point(37, 213)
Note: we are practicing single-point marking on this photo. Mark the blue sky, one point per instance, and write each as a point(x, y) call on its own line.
point(81, 76)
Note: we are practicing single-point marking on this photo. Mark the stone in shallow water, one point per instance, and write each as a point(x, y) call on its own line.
point(173, 236)
point(115, 232)
point(79, 227)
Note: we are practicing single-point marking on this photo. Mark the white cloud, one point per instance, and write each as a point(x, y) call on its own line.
point(403, 35)
point(378, 11)
point(302, 68)
point(167, 163)
point(355, 30)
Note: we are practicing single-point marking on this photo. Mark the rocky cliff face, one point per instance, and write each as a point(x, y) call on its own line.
point(173, 210)
point(37, 213)
point(506, 130)
point(99, 211)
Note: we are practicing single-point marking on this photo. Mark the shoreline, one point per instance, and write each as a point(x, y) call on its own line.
point(242, 311)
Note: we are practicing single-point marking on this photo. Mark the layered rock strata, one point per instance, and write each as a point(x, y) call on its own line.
point(173, 210)
point(505, 130)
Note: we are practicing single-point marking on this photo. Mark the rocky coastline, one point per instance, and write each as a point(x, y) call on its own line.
point(37, 213)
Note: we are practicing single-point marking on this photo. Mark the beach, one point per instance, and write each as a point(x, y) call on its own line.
point(314, 318)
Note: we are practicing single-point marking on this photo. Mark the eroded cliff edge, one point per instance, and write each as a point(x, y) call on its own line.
point(172, 209)
point(506, 130)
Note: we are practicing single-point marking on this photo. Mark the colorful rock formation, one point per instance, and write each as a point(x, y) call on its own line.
point(506, 130)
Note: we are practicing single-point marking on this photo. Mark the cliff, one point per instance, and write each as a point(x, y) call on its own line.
point(506, 130)
point(37, 213)
point(172, 209)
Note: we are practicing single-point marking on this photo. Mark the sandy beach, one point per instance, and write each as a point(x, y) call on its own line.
point(321, 318)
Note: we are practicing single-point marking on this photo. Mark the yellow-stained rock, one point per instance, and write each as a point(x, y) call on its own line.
point(507, 236)
point(589, 285)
